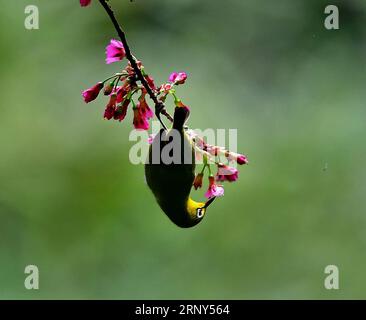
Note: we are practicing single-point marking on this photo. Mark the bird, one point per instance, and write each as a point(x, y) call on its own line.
point(170, 172)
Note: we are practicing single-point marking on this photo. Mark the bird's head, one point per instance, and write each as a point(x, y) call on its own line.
point(197, 210)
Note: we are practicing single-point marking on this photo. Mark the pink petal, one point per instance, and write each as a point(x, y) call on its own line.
point(181, 78)
point(173, 76)
point(85, 3)
point(115, 51)
point(218, 191)
point(117, 43)
point(111, 60)
point(149, 113)
point(151, 138)
point(214, 191)
point(226, 170)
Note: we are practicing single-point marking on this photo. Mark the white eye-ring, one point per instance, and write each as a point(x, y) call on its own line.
point(199, 213)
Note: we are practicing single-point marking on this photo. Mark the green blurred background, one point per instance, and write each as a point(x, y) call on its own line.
point(72, 204)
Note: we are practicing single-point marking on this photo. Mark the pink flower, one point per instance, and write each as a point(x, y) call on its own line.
point(122, 92)
point(173, 76)
point(178, 77)
point(239, 158)
point(115, 51)
point(242, 159)
point(110, 109)
point(109, 112)
point(165, 88)
point(92, 93)
point(226, 173)
point(144, 108)
point(121, 111)
point(214, 190)
point(139, 120)
point(151, 138)
point(85, 3)
point(197, 183)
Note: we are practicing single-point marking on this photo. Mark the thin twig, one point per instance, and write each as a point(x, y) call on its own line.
point(158, 104)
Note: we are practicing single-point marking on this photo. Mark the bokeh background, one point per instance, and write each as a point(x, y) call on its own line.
point(72, 204)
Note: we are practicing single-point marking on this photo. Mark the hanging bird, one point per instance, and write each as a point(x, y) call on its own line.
point(170, 172)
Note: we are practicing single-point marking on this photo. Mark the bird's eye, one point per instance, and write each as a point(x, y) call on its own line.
point(199, 213)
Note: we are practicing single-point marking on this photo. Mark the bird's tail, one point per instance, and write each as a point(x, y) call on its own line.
point(181, 115)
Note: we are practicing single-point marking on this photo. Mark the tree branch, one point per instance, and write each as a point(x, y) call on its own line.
point(159, 106)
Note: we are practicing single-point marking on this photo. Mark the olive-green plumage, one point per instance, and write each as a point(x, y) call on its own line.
point(170, 172)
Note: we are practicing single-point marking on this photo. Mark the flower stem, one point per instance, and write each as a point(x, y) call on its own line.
point(158, 104)
point(209, 170)
point(114, 76)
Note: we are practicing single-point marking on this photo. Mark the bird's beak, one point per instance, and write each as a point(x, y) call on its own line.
point(209, 201)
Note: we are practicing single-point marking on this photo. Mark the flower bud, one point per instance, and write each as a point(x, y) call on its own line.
point(92, 93)
point(197, 183)
point(108, 89)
